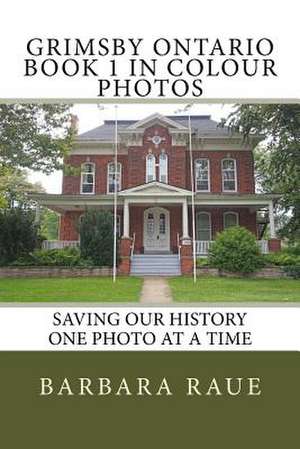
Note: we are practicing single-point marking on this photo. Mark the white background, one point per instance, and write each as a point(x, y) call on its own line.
point(28, 328)
point(232, 18)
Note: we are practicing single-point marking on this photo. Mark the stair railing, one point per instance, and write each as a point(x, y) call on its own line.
point(132, 245)
point(178, 246)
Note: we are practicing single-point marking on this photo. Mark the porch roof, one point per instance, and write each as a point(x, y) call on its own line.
point(155, 193)
point(235, 199)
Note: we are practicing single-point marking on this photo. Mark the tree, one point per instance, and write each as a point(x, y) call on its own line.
point(277, 157)
point(19, 234)
point(14, 185)
point(49, 224)
point(35, 136)
point(96, 237)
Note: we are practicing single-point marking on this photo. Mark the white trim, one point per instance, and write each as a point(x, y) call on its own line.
point(107, 177)
point(156, 117)
point(84, 173)
point(148, 157)
point(163, 153)
point(168, 188)
point(208, 172)
point(210, 224)
point(231, 213)
point(235, 174)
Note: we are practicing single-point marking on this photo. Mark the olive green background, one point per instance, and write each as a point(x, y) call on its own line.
point(30, 421)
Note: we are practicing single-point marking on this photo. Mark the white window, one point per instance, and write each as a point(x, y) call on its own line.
point(163, 167)
point(202, 178)
point(87, 178)
point(114, 177)
point(203, 226)
point(162, 224)
point(229, 175)
point(150, 168)
point(231, 219)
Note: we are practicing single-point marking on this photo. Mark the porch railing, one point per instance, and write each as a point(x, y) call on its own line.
point(178, 246)
point(202, 246)
point(132, 245)
point(60, 244)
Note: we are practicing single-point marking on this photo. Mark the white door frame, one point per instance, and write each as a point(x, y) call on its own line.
point(157, 242)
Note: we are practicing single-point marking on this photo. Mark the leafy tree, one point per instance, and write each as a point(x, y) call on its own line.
point(235, 250)
point(14, 186)
point(49, 224)
point(96, 237)
point(278, 157)
point(19, 234)
point(35, 136)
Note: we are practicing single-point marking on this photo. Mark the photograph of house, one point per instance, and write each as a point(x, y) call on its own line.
point(154, 189)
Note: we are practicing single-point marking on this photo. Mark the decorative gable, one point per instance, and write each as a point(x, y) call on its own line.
point(155, 188)
point(156, 119)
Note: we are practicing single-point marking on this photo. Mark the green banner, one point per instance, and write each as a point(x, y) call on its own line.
point(149, 400)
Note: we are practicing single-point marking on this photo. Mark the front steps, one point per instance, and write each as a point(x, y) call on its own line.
point(155, 265)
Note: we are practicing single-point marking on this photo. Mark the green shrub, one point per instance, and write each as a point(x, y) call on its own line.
point(282, 258)
point(96, 237)
point(235, 250)
point(293, 271)
point(18, 234)
point(67, 257)
point(202, 262)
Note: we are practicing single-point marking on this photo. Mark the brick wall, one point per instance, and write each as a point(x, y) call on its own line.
point(134, 165)
point(244, 167)
point(71, 184)
point(246, 218)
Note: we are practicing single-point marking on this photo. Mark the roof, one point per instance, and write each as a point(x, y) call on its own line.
point(202, 125)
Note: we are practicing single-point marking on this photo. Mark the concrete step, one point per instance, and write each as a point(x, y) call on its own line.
point(155, 265)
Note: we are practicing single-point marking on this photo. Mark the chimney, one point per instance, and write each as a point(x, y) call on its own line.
point(74, 123)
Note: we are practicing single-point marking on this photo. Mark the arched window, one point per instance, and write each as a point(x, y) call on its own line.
point(203, 226)
point(230, 219)
point(87, 178)
point(150, 168)
point(229, 183)
point(202, 175)
point(163, 167)
point(114, 176)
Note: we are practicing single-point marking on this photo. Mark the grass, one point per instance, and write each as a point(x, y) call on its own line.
point(125, 289)
point(208, 289)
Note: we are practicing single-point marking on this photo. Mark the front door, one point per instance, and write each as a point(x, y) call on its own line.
point(156, 229)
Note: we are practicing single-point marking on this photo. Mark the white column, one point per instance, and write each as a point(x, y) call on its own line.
point(272, 222)
point(126, 219)
point(185, 220)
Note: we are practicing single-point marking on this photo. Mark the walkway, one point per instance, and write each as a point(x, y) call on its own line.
point(156, 290)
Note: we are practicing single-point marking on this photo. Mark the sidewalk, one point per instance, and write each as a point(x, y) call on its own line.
point(156, 290)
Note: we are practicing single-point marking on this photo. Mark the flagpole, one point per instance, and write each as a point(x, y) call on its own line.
point(193, 200)
point(115, 196)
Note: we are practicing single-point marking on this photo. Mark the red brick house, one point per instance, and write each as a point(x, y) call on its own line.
point(154, 188)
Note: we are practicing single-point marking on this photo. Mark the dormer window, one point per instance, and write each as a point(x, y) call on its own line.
point(150, 168)
point(163, 167)
point(114, 177)
point(202, 178)
point(87, 178)
point(229, 181)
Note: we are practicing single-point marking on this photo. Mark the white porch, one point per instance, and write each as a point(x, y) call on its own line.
point(202, 247)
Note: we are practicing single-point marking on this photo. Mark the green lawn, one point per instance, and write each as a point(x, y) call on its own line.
point(234, 289)
point(70, 289)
